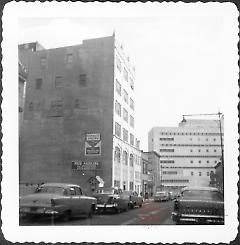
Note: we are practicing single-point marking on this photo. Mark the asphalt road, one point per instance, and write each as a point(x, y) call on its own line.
point(151, 213)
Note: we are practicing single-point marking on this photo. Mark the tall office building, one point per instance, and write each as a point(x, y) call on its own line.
point(79, 121)
point(188, 153)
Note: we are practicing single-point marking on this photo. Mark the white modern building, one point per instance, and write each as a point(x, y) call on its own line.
point(188, 153)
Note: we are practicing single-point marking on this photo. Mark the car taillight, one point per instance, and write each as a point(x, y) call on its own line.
point(176, 205)
point(52, 202)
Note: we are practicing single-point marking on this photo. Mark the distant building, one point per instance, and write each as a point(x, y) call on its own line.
point(145, 173)
point(79, 125)
point(154, 177)
point(188, 153)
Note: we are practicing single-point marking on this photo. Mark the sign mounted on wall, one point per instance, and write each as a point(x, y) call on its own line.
point(81, 165)
point(93, 145)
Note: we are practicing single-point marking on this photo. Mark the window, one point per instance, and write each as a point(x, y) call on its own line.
point(131, 186)
point(131, 104)
point(118, 108)
point(214, 139)
point(200, 173)
point(82, 80)
point(125, 158)
point(43, 62)
point(125, 74)
point(131, 160)
point(199, 150)
point(56, 108)
point(167, 161)
point(192, 173)
point(78, 191)
point(76, 103)
point(125, 96)
point(208, 174)
point(191, 150)
point(131, 83)
point(69, 58)
point(118, 87)
point(58, 82)
point(30, 107)
point(119, 65)
point(131, 121)
point(117, 155)
point(118, 129)
point(206, 139)
point(38, 83)
point(199, 161)
point(207, 161)
point(168, 139)
point(116, 183)
point(20, 109)
point(191, 139)
point(125, 135)
point(125, 115)
point(207, 150)
point(131, 139)
point(191, 161)
point(215, 150)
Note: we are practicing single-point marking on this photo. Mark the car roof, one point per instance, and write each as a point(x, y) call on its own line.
point(60, 184)
point(200, 188)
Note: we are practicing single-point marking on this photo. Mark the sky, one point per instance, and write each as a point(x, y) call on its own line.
point(178, 55)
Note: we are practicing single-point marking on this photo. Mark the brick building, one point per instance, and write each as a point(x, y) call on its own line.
point(79, 119)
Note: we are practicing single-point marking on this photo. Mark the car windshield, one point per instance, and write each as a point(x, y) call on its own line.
point(51, 189)
point(203, 194)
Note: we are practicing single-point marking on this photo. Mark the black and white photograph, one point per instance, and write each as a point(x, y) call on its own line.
point(120, 122)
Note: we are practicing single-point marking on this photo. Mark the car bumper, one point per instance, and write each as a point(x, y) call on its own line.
point(38, 211)
point(106, 206)
point(198, 218)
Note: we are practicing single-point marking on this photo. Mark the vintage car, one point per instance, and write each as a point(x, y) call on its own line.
point(133, 198)
point(161, 196)
point(110, 199)
point(57, 199)
point(199, 205)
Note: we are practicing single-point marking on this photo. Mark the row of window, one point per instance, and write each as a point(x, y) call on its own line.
point(172, 161)
point(169, 172)
point(168, 139)
point(125, 158)
point(187, 133)
point(125, 95)
point(200, 174)
point(198, 145)
point(166, 150)
point(191, 150)
point(190, 156)
point(125, 72)
point(118, 132)
point(167, 161)
point(175, 180)
point(118, 110)
point(59, 82)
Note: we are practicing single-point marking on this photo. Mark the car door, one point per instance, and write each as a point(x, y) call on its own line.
point(74, 199)
point(84, 204)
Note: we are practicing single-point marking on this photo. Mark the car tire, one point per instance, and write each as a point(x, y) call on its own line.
point(66, 215)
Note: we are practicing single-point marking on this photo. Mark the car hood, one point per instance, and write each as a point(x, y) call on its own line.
point(38, 199)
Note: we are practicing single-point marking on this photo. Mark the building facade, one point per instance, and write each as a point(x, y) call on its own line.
point(79, 123)
point(188, 153)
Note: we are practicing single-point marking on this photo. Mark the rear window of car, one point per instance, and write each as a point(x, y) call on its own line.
point(203, 194)
point(51, 190)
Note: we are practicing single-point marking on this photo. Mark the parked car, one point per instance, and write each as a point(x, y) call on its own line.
point(110, 199)
point(133, 198)
point(199, 205)
point(57, 199)
point(161, 196)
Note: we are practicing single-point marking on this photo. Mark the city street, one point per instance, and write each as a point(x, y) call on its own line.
point(151, 213)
